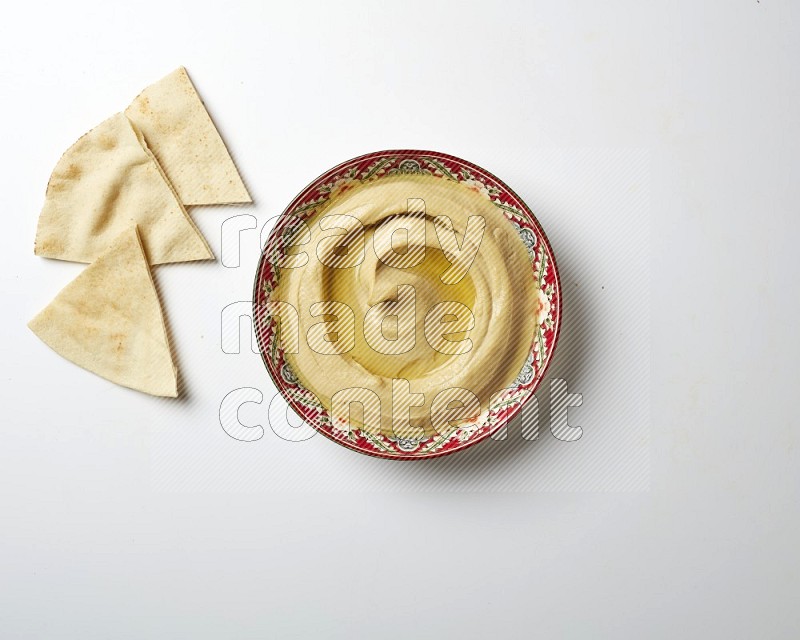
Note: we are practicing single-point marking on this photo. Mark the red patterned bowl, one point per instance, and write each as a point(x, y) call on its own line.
point(373, 167)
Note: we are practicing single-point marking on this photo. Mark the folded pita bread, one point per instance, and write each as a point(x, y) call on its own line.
point(109, 321)
point(186, 143)
point(105, 183)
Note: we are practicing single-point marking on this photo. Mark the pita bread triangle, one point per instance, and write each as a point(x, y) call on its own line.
point(186, 143)
point(105, 183)
point(108, 320)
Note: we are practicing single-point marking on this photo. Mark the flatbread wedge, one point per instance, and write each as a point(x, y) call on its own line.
point(186, 143)
point(108, 320)
point(105, 183)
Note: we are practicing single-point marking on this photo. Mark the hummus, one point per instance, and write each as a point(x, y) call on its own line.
point(466, 309)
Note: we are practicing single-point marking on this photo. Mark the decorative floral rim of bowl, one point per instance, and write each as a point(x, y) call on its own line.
point(371, 167)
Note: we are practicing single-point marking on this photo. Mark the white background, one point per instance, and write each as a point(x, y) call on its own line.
point(127, 516)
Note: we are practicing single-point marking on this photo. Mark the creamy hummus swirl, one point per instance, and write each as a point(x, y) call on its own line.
point(499, 289)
